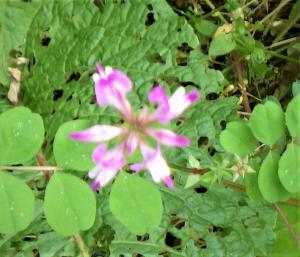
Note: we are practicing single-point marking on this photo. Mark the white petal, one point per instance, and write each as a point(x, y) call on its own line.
point(97, 134)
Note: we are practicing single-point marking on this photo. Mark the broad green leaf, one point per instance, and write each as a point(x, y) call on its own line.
point(222, 45)
point(78, 35)
point(285, 244)
point(292, 116)
point(267, 122)
point(21, 135)
point(268, 180)
point(289, 168)
point(136, 203)
point(17, 204)
point(15, 19)
point(70, 205)
point(237, 138)
point(73, 154)
point(294, 14)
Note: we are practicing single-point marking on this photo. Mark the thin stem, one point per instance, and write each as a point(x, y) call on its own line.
point(283, 42)
point(31, 168)
point(239, 71)
point(276, 10)
point(289, 226)
point(287, 27)
point(81, 245)
point(282, 56)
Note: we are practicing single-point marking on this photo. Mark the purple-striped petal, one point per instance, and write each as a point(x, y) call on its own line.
point(101, 177)
point(179, 101)
point(156, 164)
point(131, 143)
point(111, 87)
point(97, 133)
point(168, 137)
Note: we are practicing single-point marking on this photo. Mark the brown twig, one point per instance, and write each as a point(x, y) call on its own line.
point(289, 226)
point(42, 162)
point(239, 71)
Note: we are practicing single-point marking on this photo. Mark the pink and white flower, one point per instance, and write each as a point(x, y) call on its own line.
point(111, 88)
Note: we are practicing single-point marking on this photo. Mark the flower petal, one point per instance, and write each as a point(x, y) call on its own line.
point(156, 164)
point(167, 137)
point(170, 108)
point(102, 177)
point(131, 143)
point(111, 87)
point(179, 101)
point(97, 133)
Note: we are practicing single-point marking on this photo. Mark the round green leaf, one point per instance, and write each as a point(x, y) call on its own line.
point(21, 135)
point(70, 205)
point(289, 168)
point(268, 180)
point(267, 122)
point(221, 45)
point(293, 117)
point(136, 203)
point(237, 138)
point(72, 154)
point(17, 204)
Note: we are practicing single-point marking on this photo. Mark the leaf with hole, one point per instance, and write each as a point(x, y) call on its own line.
point(21, 135)
point(17, 204)
point(69, 205)
point(267, 122)
point(237, 138)
point(221, 45)
point(71, 154)
point(268, 181)
point(136, 203)
point(289, 168)
point(292, 116)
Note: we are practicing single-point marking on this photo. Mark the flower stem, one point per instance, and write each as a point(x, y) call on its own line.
point(81, 245)
point(31, 168)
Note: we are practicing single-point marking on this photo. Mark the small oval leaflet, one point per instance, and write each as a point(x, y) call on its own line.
point(268, 181)
point(237, 138)
point(69, 205)
point(71, 154)
point(292, 116)
point(267, 122)
point(21, 135)
point(136, 203)
point(289, 168)
point(17, 204)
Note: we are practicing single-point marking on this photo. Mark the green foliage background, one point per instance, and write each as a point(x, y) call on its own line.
point(63, 40)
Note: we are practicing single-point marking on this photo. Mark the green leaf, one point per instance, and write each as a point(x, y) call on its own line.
point(17, 204)
point(136, 203)
point(21, 135)
point(70, 205)
point(15, 19)
point(205, 27)
point(267, 122)
point(284, 240)
point(289, 168)
point(268, 180)
point(296, 85)
point(222, 45)
point(80, 35)
point(292, 117)
point(237, 138)
point(72, 154)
